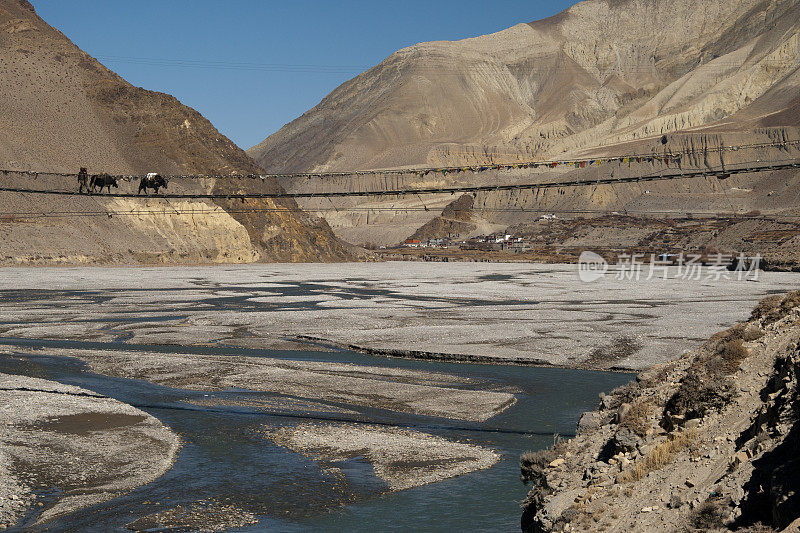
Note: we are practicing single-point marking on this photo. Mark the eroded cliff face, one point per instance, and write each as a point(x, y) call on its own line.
point(97, 229)
point(389, 220)
point(61, 110)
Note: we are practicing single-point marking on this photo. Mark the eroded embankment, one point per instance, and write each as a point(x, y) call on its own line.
point(431, 356)
point(705, 442)
point(43, 229)
point(390, 220)
point(63, 448)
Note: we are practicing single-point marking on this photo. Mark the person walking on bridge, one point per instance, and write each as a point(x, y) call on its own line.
point(83, 180)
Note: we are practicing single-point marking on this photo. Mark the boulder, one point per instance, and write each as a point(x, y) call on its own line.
point(622, 412)
point(739, 458)
point(589, 422)
point(625, 440)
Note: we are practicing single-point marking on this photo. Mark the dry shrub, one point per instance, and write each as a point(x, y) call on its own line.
point(707, 385)
point(734, 352)
point(767, 308)
point(660, 456)
point(624, 394)
point(637, 419)
point(709, 515)
point(717, 340)
point(773, 308)
point(742, 331)
point(752, 333)
point(698, 394)
point(533, 464)
point(727, 359)
point(725, 350)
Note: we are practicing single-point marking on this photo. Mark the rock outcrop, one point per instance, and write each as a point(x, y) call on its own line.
point(60, 110)
point(706, 442)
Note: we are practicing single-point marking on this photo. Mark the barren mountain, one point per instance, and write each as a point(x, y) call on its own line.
point(603, 77)
point(601, 72)
point(60, 110)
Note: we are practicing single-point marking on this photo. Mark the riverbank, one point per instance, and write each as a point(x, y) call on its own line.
point(87, 447)
point(705, 442)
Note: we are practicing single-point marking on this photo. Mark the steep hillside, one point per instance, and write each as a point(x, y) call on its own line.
point(705, 443)
point(603, 77)
point(61, 110)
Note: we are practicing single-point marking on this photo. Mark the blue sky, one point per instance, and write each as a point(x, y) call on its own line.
point(251, 66)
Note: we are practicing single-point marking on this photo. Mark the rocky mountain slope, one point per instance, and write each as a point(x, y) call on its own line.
point(708, 442)
point(604, 77)
point(61, 110)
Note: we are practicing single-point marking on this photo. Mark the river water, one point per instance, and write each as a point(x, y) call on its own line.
point(224, 459)
point(46, 313)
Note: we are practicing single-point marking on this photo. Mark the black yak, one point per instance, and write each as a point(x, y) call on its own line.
point(103, 180)
point(152, 181)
